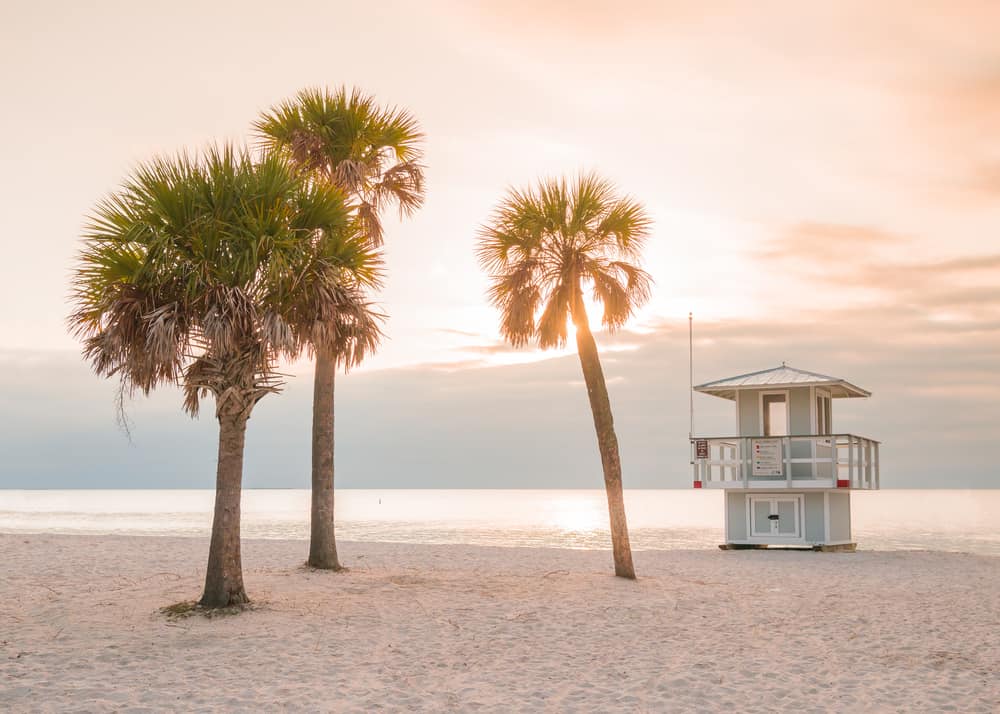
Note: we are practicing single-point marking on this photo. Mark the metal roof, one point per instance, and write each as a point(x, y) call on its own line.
point(777, 377)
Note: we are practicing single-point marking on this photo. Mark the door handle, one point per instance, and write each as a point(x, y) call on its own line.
point(773, 517)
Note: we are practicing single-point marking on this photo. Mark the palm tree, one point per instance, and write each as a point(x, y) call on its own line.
point(189, 275)
point(373, 155)
point(542, 248)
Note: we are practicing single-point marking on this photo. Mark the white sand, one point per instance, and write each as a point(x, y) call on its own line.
point(458, 628)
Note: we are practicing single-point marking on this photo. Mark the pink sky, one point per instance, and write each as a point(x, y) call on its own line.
point(833, 164)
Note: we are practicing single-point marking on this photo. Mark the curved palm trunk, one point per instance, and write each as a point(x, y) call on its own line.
point(224, 577)
point(322, 540)
point(607, 441)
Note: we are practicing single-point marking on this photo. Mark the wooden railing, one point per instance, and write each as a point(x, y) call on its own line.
point(803, 461)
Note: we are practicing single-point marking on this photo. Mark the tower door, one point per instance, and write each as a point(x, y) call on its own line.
point(775, 517)
point(774, 417)
point(824, 449)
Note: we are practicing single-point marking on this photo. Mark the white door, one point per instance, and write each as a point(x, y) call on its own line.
point(776, 516)
point(774, 413)
point(824, 448)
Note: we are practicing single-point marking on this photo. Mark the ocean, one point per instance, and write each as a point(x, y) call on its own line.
point(944, 520)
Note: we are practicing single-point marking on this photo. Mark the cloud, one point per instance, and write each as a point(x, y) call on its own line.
point(828, 253)
point(494, 348)
point(986, 179)
point(861, 267)
point(460, 333)
point(813, 241)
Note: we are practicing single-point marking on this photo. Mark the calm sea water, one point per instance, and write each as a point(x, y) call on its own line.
point(967, 521)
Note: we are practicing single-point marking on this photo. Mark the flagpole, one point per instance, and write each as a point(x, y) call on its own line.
point(691, 374)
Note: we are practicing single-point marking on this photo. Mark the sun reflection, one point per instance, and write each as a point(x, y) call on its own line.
point(576, 514)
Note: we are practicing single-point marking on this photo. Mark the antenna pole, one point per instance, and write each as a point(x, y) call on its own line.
point(691, 374)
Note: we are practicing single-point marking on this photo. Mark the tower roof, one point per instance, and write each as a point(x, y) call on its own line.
point(777, 377)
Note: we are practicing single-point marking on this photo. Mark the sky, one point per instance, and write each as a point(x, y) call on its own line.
point(824, 181)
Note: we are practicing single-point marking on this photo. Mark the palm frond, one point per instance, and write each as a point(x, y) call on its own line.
point(553, 323)
point(369, 223)
point(402, 184)
point(626, 222)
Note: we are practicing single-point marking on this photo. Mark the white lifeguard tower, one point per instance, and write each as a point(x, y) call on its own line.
point(787, 475)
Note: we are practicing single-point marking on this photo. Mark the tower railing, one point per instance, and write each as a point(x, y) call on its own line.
point(799, 461)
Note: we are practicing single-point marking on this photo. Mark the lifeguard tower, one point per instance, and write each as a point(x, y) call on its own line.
point(787, 475)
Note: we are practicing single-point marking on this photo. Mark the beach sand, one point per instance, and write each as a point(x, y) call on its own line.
point(423, 627)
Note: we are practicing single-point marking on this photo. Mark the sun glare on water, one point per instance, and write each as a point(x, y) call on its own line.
point(577, 513)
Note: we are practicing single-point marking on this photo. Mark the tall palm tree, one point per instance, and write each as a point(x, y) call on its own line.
point(542, 248)
point(372, 154)
point(189, 275)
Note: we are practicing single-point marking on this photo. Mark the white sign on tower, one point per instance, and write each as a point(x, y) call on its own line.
point(766, 455)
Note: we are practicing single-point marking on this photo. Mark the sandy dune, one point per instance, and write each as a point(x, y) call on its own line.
point(461, 628)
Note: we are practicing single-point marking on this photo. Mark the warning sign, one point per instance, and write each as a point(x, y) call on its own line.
point(701, 448)
point(766, 455)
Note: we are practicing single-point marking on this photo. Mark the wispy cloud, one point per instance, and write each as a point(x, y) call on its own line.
point(460, 333)
point(821, 243)
point(829, 265)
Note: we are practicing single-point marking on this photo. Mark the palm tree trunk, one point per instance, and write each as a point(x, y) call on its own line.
point(322, 541)
point(224, 577)
point(607, 441)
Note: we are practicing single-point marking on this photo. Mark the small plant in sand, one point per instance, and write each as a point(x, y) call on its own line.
point(543, 248)
point(191, 274)
point(344, 139)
